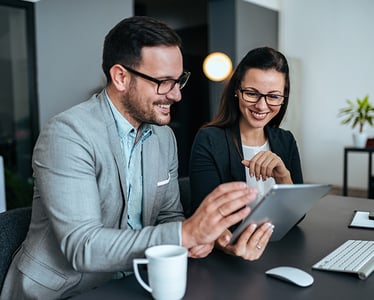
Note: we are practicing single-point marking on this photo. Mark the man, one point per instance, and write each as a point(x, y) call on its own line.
point(106, 185)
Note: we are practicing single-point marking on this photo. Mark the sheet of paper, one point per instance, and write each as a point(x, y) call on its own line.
point(361, 219)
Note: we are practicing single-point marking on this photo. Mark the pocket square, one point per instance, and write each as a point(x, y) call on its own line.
point(163, 182)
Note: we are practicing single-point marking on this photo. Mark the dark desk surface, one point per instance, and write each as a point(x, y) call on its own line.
point(221, 276)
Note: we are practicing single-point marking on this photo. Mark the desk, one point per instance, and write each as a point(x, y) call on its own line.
point(370, 151)
point(221, 276)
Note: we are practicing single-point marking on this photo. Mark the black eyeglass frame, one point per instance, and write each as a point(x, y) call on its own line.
point(259, 96)
point(185, 75)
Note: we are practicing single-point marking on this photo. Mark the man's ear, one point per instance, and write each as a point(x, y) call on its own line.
point(120, 77)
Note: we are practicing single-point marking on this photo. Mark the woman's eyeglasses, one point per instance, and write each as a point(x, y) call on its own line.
point(254, 97)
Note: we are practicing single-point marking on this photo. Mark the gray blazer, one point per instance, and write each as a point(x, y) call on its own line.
point(78, 236)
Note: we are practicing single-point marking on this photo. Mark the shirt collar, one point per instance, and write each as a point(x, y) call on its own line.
point(124, 127)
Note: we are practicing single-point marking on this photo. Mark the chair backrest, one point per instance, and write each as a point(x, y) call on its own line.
point(14, 225)
point(2, 186)
point(185, 194)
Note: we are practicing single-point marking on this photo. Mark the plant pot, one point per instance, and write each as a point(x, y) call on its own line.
point(359, 140)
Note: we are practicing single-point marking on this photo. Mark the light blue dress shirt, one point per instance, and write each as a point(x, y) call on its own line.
point(131, 144)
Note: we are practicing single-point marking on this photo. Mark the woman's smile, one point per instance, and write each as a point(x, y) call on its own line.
point(258, 115)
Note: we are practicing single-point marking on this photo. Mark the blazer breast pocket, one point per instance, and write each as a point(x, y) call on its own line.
point(164, 182)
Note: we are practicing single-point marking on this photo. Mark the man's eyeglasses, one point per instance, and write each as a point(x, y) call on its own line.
point(254, 97)
point(163, 86)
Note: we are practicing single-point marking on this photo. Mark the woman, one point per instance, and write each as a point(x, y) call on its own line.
point(243, 142)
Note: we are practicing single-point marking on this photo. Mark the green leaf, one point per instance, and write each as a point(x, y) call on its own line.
point(359, 112)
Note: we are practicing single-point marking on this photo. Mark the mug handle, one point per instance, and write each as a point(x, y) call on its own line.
point(136, 262)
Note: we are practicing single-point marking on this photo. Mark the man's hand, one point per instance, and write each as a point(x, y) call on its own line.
point(200, 250)
point(225, 206)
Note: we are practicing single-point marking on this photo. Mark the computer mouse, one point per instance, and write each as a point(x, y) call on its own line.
point(292, 275)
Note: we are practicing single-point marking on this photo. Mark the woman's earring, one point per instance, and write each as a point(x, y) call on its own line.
point(235, 95)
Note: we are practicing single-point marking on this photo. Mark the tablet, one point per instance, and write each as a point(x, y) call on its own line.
point(283, 205)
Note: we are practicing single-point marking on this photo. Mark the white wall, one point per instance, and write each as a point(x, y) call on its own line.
point(333, 41)
point(272, 4)
point(69, 39)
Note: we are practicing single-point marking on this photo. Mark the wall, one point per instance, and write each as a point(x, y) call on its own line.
point(2, 186)
point(246, 26)
point(222, 38)
point(177, 14)
point(70, 36)
point(256, 26)
point(333, 42)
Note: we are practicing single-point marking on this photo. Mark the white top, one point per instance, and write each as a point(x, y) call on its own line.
point(261, 185)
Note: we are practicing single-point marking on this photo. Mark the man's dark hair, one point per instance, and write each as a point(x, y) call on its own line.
point(124, 42)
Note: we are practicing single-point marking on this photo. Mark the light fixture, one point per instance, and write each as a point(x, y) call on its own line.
point(217, 66)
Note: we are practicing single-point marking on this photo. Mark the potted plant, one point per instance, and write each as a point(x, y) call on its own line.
point(358, 113)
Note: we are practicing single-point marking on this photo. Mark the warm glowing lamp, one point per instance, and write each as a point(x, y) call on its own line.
point(217, 66)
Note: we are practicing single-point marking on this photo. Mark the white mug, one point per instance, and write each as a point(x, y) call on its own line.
point(167, 271)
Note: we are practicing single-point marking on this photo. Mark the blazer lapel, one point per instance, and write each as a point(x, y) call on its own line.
point(235, 153)
point(274, 141)
point(117, 152)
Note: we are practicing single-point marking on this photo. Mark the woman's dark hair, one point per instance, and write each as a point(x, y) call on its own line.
point(124, 42)
point(263, 58)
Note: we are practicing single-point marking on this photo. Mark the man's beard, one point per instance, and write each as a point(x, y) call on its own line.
point(130, 102)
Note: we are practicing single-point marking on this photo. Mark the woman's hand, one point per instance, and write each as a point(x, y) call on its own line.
point(251, 243)
point(267, 164)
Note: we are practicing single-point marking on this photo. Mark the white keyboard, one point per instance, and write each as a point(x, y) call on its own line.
point(354, 256)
